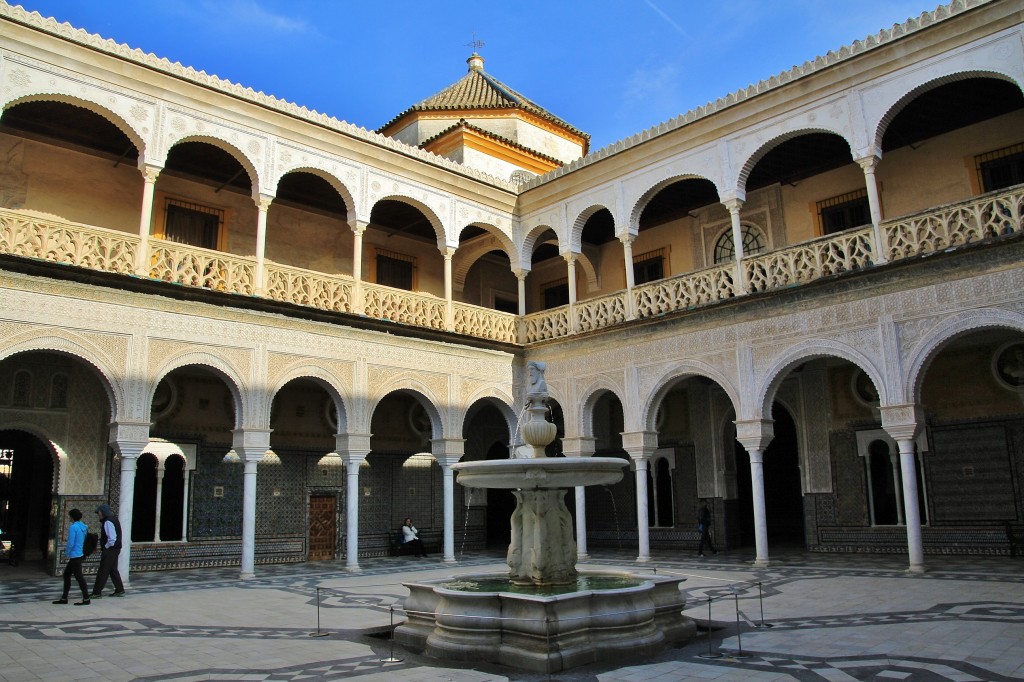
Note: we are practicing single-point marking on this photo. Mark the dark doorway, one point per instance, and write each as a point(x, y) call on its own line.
point(144, 505)
point(26, 495)
point(500, 505)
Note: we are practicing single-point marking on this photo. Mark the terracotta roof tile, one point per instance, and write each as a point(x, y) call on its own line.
point(479, 90)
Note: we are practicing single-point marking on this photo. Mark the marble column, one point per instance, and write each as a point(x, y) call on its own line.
point(755, 435)
point(250, 444)
point(149, 176)
point(449, 319)
point(868, 165)
point(627, 250)
point(263, 207)
point(582, 446)
point(448, 451)
point(740, 283)
point(159, 499)
point(570, 261)
point(903, 422)
point(353, 449)
point(641, 446)
point(128, 439)
point(358, 227)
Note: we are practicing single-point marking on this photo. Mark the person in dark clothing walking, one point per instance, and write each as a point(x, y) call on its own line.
point(704, 526)
point(110, 544)
point(76, 540)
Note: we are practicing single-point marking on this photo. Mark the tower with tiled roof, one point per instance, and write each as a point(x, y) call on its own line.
point(482, 123)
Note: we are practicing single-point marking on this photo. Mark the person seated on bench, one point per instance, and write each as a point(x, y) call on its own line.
point(411, 539)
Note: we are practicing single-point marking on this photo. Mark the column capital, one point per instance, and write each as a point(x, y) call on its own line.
point(352, 444)
point(129, 438)
point(627, 239)
point(640, 444)
point(250, 444)
point(358, 226)
point(447, 448)
point(902, 422)
point(580, 446)
point(448, 252)
point(755, 434)
point(150, 172)
point(868, 163)
point(521, 273)
point(733, 202)
point(570, 258)
point(263, 201)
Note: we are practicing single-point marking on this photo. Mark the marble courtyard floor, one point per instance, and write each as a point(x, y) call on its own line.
point(832, 617)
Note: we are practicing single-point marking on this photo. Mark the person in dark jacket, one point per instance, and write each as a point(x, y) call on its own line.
point(76, 540)
point(704, 526)
point(110, 546)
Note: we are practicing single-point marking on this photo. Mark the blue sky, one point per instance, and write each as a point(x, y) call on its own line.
point(609, 67)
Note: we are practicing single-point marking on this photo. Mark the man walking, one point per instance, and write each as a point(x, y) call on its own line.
point(704, 526)
point(76, 540)
point(110, 544)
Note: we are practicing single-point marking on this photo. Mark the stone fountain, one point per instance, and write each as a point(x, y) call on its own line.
point(543, 615)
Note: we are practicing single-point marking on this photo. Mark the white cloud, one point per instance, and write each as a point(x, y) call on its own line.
point(252, 14)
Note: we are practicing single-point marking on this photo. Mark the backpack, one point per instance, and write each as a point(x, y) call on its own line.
point(91, 542)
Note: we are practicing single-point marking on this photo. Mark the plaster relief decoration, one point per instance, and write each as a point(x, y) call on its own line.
point(1008, 366)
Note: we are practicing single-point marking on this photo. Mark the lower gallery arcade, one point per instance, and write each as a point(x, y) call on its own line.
point(305, 441)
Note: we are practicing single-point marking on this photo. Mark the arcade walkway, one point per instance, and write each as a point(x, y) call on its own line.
point(833, 618)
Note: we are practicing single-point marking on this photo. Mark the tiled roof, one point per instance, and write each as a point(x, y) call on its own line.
point(480, 90)
point(463, 123)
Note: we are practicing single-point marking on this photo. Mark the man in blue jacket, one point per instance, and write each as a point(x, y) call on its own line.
point(76, 539)
point(110, 546)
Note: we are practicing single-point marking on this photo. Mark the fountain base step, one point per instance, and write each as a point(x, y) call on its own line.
point(545, 633)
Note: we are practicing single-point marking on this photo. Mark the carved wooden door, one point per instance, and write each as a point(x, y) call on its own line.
point(323, 532)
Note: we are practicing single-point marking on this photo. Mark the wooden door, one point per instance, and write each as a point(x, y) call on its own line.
point(323, 533)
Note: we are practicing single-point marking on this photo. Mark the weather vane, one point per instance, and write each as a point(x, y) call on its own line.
point(475, 44)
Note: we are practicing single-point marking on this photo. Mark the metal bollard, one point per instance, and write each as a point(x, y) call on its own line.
point(710, 653)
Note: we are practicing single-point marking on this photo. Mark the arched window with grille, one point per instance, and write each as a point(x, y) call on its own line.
point(753, 244)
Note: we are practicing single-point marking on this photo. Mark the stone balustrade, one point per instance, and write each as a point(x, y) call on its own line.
point(810, 260)
point(990, 216)
point(484, 323)
point(309, 288)
point(405, 307)
point(601, 312)
point(59, 241)
point(684, 291)
point(996, 214)
point(196, 267)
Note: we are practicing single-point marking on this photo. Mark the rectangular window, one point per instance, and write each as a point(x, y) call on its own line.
point(649, 266)
point(844, 212)
point(1001, 168)
point(556, 294)
point(193, 224)
point(396, 270)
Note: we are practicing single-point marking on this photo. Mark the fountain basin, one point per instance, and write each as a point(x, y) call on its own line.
point(544, 633)
point(540, 473)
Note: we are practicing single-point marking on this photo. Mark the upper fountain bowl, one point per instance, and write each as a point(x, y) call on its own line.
point(540, 472)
